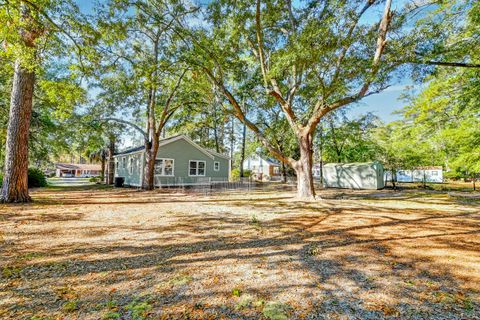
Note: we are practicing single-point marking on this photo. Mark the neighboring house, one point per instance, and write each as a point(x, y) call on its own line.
point(77, 170)
point(368, 175)
point(316, 170)
point(179, 161)
point(419, 174)
point(262, 168)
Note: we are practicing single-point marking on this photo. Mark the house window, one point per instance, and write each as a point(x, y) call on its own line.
point(133, 164)
point(124, 162)
point(434, 173)
point(216, 166)
point(196, 168)
point(164, 167)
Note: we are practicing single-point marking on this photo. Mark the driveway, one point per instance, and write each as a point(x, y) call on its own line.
point(69, 182)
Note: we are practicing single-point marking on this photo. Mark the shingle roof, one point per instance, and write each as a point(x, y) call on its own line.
point(165, 141)
point(77, 166)
point(140, 148)
point(130, 150)
point(218, 154)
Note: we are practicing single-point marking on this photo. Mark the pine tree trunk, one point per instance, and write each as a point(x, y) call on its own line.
point(103, 159)
point(15, 180)
point(303, 169)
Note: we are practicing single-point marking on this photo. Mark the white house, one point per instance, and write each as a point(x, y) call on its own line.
point(420, 174)
point(262, 167)
point(316, 170)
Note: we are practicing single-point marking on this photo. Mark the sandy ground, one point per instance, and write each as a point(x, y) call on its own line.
point(93, 253)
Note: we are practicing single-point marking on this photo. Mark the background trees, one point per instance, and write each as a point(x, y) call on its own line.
point(31, 34)
point(309, 60)
point(281, 69)
point(142, 74)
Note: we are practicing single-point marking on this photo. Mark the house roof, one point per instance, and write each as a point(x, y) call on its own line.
point(130, 150)
point(77, 166)
point(350, 164)
point(215, 153)
point(271, 161)
point(171, 139)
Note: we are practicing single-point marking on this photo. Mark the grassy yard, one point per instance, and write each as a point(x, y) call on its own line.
point(97, 253)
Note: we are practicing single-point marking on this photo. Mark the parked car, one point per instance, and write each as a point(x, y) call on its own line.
point(68, 175)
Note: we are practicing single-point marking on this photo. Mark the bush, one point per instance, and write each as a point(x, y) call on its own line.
point(236, 174)
point(36, 178)
point(94, 179)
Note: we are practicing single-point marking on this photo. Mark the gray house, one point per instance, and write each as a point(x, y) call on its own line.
point(180, 161)
point(368, 175)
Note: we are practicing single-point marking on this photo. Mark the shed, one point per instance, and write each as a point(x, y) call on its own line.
point(367, 175)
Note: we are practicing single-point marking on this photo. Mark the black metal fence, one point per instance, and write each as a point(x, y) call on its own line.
point(205, 185)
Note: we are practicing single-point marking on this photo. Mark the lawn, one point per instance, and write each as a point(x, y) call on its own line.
point(97, 253)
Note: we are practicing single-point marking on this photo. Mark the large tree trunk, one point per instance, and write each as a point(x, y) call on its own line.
point(149, 171)
point(103, 161)
point(303, 169)
point(242, 151)
point(284, 172)
point(15, 180)
point(111, 161)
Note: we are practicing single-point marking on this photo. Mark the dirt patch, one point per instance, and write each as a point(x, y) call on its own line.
point(90, 253)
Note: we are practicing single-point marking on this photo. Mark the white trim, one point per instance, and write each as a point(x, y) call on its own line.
point(163, 168)
point(184, 137)
point(197, 175)
point(130, 167)
point(214, 164)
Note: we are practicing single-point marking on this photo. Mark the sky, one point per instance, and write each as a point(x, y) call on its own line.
point(382, 104)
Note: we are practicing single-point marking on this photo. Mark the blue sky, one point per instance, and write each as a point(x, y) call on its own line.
point(383, 104)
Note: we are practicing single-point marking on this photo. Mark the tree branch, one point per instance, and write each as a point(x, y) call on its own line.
point(321, 108)
point(133, 125)
point(241, 116)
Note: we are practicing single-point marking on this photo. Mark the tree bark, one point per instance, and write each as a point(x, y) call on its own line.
point(103, 161)
point(303, 168)
point(15, 180)
point(284, 173)
point(242, 151)
point(151, 149)
point(111, 161)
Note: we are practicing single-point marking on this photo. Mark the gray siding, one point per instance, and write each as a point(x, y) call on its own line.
point(132, 175)
point(181, 151)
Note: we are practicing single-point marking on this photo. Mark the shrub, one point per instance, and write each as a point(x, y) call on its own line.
point(236, 174)
point(36, 178)
point(94, 179)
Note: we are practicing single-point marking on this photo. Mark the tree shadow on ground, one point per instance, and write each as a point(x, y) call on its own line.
point(354, 261)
